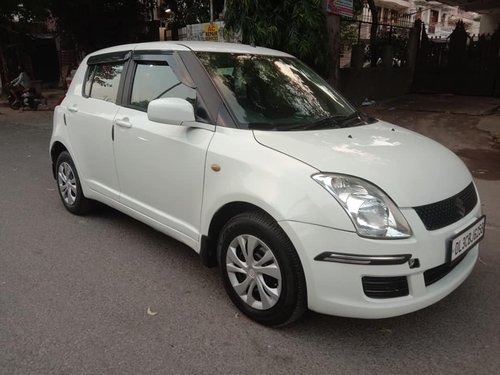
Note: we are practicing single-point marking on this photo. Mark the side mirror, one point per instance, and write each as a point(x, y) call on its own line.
point(172, 111)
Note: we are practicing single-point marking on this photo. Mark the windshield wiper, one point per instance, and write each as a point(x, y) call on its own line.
point(333, 122)
point(345, 120)
point(261, 126)
point(327, 122)
point(362, 119)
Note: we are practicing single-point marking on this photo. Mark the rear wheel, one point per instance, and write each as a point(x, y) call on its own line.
point(69, 187)
point(261, 270)
point(14, 104)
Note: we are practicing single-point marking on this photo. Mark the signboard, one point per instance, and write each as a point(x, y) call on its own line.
point(340, 7)
point(211, 31)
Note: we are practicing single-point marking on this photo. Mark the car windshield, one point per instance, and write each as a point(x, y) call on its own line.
point(277, 93)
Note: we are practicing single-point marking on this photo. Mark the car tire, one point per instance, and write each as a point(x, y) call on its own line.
point(69, 186)
point(261, 270)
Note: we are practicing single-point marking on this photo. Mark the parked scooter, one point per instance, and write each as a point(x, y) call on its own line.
point(27, 98)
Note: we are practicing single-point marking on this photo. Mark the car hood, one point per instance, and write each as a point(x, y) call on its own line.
point(412, 169)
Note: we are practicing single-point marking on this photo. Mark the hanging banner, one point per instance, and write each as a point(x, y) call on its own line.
point(340, 7)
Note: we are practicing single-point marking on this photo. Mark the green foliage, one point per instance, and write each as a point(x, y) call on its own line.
point(357, 6)
point(188, 12)
point(297, 27)
point(348, 34)
point(398, 38)
point(24, 11)
point(349, 29)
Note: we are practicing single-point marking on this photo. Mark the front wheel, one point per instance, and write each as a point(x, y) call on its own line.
point(261, 270)
point(69, 186)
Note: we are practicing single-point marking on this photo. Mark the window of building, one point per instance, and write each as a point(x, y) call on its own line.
point(434, 17)
point(385, 15)
point(394, 16)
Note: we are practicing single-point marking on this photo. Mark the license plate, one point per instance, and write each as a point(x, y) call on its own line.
point(467, 239)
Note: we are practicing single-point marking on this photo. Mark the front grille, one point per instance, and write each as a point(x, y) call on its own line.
point(441, 214)
point(437, 273)
point(385, 287)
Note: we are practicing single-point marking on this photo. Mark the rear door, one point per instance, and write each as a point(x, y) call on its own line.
point(160, 167)
point(90, 117)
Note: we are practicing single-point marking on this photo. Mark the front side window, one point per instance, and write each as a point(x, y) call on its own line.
point(103, 81)
point(275, 93)
point(154, 80)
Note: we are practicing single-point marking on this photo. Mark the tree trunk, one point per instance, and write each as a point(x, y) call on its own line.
point(373, 32)
point(333, 31)
point(4, 73)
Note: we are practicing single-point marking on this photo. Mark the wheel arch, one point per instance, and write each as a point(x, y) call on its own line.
point(208, 246)
point(56, 149)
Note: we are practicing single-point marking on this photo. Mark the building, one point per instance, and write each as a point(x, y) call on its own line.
point(488, 10)
point(441, 18)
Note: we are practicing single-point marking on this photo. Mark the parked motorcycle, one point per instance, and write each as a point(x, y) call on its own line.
point(27, 98)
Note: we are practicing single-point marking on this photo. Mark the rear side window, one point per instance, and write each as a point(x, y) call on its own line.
point(154, 80)
point(102, 81)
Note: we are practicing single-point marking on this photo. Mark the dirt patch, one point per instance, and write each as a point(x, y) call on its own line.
point(484, 164)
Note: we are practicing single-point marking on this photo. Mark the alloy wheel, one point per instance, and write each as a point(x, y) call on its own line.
point(253, 272)
point(67, 183)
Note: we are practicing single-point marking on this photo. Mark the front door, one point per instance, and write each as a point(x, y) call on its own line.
point(160, 167)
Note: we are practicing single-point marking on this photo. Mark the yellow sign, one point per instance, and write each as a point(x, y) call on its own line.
point(211, 31)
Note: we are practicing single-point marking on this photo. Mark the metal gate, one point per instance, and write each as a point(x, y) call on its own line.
point(459, 64)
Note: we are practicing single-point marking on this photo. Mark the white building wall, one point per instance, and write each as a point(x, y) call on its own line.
point(489, 22)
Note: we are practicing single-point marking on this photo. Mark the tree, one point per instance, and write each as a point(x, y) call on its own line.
point(187, 12)
point(373, 31)
point(295, 26)
point(96, 24)
point(14, 16)
point(22, 11)
point(333, 24)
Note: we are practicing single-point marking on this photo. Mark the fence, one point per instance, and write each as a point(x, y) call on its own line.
point(459, 64)
point(393, 30)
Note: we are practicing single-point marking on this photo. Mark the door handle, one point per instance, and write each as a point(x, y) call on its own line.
point(73, 108)
point(124, 123)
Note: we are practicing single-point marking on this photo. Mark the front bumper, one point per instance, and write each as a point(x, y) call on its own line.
point(336, 288)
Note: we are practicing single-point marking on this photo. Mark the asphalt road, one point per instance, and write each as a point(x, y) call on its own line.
point(74, 295)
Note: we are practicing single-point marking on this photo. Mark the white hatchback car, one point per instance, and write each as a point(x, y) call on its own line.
point(251, 159)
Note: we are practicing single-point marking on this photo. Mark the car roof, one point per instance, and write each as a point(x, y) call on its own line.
point(197, 46)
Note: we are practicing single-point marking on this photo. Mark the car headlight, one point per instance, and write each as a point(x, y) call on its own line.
point(372, 212)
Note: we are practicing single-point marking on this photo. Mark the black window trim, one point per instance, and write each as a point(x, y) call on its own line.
point(107, 58)
point(92, 68)
point(112, 57)
point(88, 74)
point(210, 98)
point(176, 63)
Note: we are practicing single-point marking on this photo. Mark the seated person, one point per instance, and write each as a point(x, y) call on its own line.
point(20, 83)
